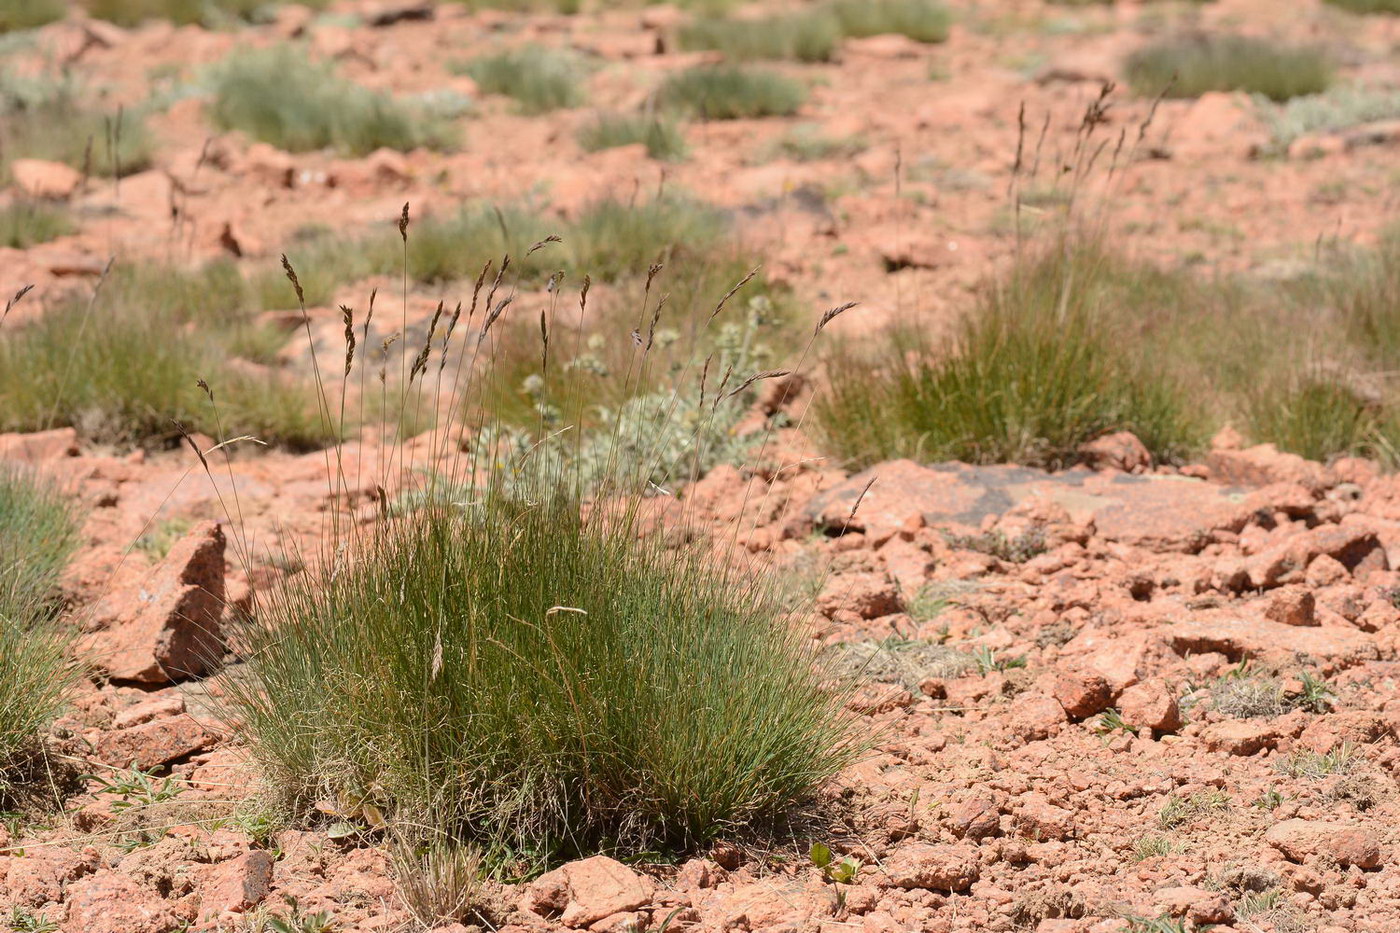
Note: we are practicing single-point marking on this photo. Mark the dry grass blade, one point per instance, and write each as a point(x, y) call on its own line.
point(757, 377)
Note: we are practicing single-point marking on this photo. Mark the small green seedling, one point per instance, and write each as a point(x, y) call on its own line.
point(24, 920)
point(987, 661)
point(138, 788)
point(1111, 721)
point(842, 871)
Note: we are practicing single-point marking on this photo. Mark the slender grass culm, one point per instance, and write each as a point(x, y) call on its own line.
point(512, 656)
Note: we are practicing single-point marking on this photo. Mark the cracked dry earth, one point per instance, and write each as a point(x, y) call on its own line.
point(1109, 695)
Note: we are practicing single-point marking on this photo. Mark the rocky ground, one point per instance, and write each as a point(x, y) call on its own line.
point(1098, 698)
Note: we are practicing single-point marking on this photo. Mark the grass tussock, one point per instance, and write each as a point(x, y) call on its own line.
point(804, 37)
point(18, 15)
point(1039, 367)
point(1194, 65)
point(732, 92)
point(925, 21)
point(538, 79)
point(278, 95)
point(121, 366)
point(662, 136)
point(37, 535)
point(589, 704)
point(1367, 6)
point(26, 223)
point(50, 120)
point(181, 12)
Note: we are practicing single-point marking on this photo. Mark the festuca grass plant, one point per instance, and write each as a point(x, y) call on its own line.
point(925, 21)
point(1036, 369)
point(282, 97)
point(663, 137)
point(119, 364)
point(24, 223)
point(50, 119)
point(732, 92)
point(804, 37)
point(590, 702)
point(1189, 66)
point(537, 78)
point(38, 533)
point(18, 15)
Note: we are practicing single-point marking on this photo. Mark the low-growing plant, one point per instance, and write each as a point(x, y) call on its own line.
point(1367, 6)
point(1016, 550)
point(1111, 721)
point(24, 920)
point(135, 788)
point(1190, 66)
point(731, 92)
point(903, 661)
point(439, 883)
point(1306, 763)
point(988, 661)
point(1153, 846)
point(661, 135)
point(921, 20)
point(538, 79)
point(37, 536)
point(1033, 372)
point(282, 97)
point(1180, 810)
point(1336, 108)
point(50, 120)
point(26, 223)
point(17, 15)
point(121, 364)
point(837, 871)
point(805, 37)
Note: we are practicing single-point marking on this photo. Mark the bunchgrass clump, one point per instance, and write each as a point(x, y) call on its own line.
point(50, 120)
point(538, 79)
point(590, 702)
point(1031, 375)
point(122, 366)
point(804, 37)
point(25, 223)
point(17, 15)
point(1194, 65)
point(807, 143)
point(662, 136)
point(921, 20)
point(732, 92)
point(282, 97)
point(37, 535)
point(1367, 6)
point(180, 12)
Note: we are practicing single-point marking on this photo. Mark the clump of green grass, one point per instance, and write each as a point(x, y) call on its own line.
point(1193, 65)
point(121, 368)
point(661, 135)
point(1318, 418)
point(616, 238)
point(25, 223)
point(590, 701)
point(732, 92)
point(538, 79)
point(921, 20)
point(17, 15)
point(181, 12)
point(38, 533)
point(49, 120)
point(1306, 763)
point(804, 37)
point(278, 95)
point(1031, 375)
point(1367, 6)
